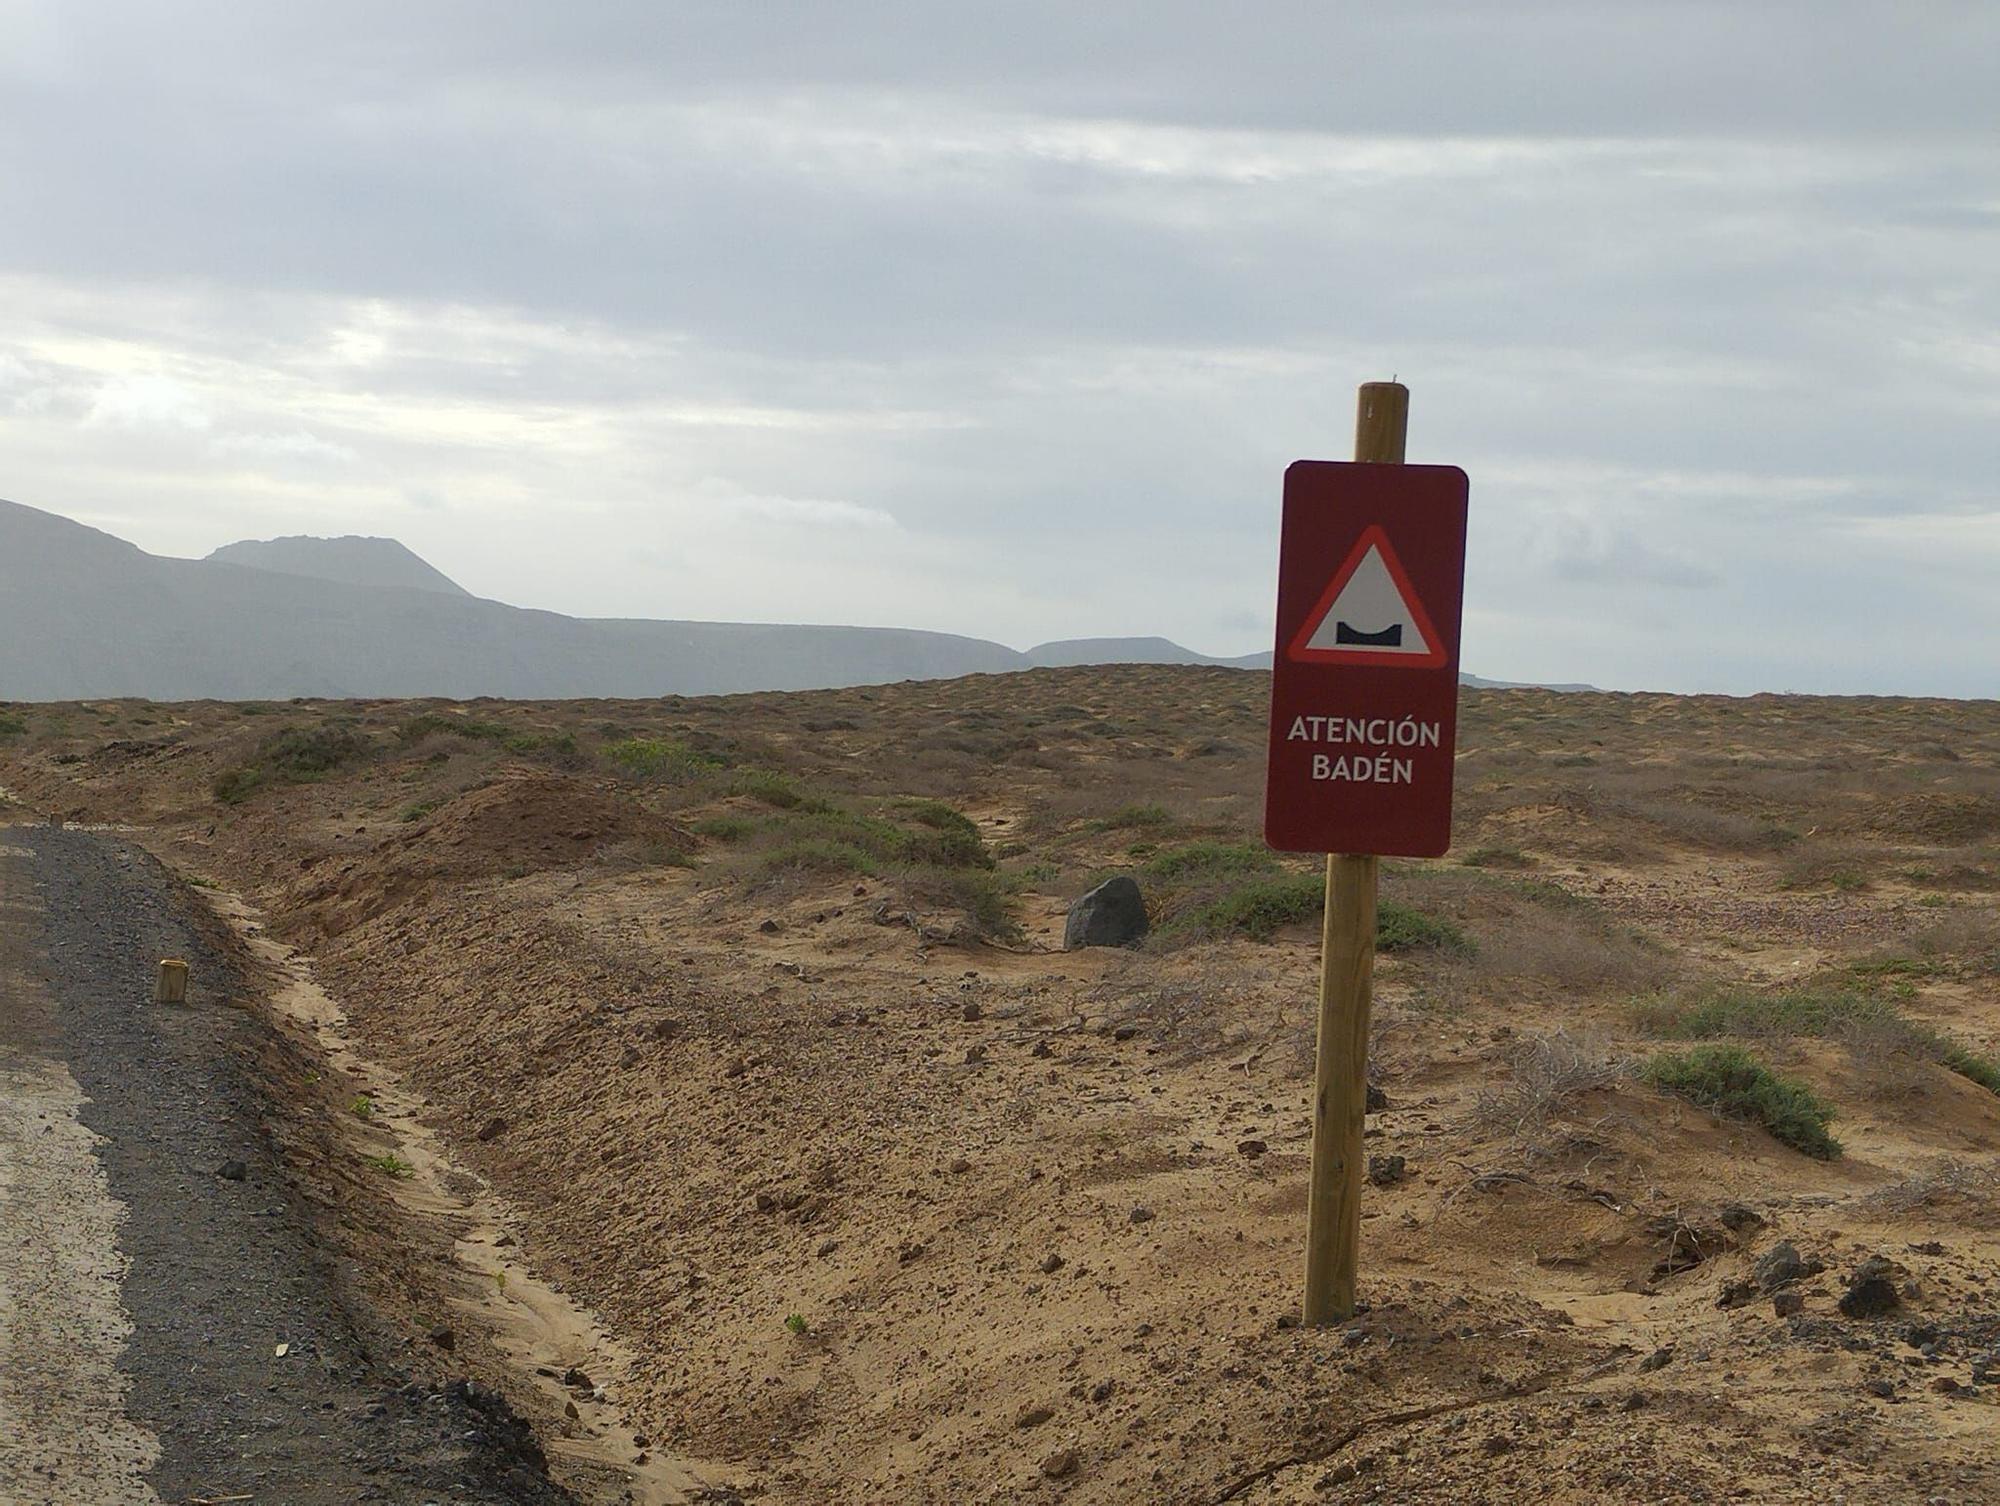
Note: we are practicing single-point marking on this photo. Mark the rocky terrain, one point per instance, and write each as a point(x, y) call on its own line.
point(752, 1013)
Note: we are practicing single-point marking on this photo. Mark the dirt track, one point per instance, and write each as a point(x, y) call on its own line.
point(170, 1326)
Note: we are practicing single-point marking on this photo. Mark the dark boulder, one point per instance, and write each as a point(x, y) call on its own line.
point(1112, 914)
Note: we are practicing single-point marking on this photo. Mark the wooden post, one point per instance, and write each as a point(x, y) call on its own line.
point(172, 987)
point(1346, 992)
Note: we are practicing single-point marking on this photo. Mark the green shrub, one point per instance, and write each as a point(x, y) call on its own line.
point(1260, 909)
point(659, 758)
point(949, 838)
point(12, 726)
point(774, 789)
point(1497, 857)
point(1729, 1080)
point(1136, 818)
point(1865, 1020)
point(724, 828)
point(418, 811)
point(1398, 928)
point(819, 855)
point(303, 753)
point(1199, 860)
point(234, 786)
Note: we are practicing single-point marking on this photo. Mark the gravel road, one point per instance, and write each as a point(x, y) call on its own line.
point(169, 1331)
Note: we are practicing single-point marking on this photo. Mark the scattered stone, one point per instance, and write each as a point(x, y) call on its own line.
point(1634, 1402)
point(767, 926)
point(1288, 1320)
point(1788, 1304)
point(826, 1248)
point(1377, 1099)
point(1386, 1171)
point(444, 1338)
point(1340, 1474)
point(1779, 1266)
point(1142, 1214)
point(570, 1411)
point(764, 1202)
point(736, 1068)
point(576, 1378)
point(1033, 1416)
point(492, 1129)
point(1251, 1148)
point(1101, 1392)
point(960, 1167)
point(1061, 1464)
point(971, 1010)
point(910, 1250)
point(1497, 1443)
point(1739, 1219)
point(1124, 1032)
point(1051, 1263)
point(1944, 1385)
point(1042, 1050)
point(1880, 1386)
point(666, 1030)
point(1112, 914)
point(233, 1171)
point(974, 1055)
point(1871, 1291)
point(1659, 1359)
point(1736, 1293)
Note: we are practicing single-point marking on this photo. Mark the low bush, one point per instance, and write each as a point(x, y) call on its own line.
point(295, 755)
point(724, 828)
point(1730, 1081)
point(1136, 818)
point(12, 726)
point(1857, 1019)
point(659, 758)
point(1201, 860)
point(1497, 857)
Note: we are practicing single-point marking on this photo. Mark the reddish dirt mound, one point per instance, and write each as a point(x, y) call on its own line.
point(519, 824)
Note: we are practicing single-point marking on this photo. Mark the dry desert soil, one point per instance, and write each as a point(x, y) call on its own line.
point(712, 1069)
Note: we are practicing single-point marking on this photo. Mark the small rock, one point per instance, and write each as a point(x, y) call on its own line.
point(1497, 1443)
point(575, 1377)
point(971, 1010)
point(1142, 1214)
point(444, 1338)
point(1944, 1385)
point(960, 1167)
point(1788, 1304)
point(1251, 1148)
point(767, 926)
point(1112, 914)
point(1340, 1474)
point(1051, 1263)
point(1033, 1416)
point(1042, 1050)
point(570, 1411)
point(492, 1129)
point(974, 1055)
point(1386, 1171)
point(1634, 1402)
point(1124, 1032)
point(1779, 1266)
point(1101, 1392)
point(1377, 1099)
point(233, 1171)
point(736, 1068)
point(1879, 1386)
point(826, 1248)
point(1061, 1464)
point(1659, 1359)
point(1871, 1291)
point(1738, 1218)
point(764, 1202)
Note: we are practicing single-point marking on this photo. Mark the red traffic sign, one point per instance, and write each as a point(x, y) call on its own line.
point(1364, 681)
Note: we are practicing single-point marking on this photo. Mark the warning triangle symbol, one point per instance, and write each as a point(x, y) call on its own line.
point(1370, 614)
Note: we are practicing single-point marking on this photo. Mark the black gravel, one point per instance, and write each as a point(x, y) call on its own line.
point(224, 1270)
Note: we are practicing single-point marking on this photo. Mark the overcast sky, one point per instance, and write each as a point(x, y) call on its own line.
point(1006, 319)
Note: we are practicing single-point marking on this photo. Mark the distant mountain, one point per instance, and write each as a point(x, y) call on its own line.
point(84, 614)
point(1070, 651)
point(352, 560)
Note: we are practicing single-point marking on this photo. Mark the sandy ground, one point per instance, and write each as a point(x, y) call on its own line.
point(879, 1195)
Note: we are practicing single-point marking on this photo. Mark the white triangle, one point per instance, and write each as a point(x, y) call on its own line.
point(1372, 610)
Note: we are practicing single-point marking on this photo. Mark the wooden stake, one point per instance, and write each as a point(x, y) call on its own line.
point(1346, 991)
point(172, 985)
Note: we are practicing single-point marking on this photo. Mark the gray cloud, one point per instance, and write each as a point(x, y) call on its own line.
point(1007, 322)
